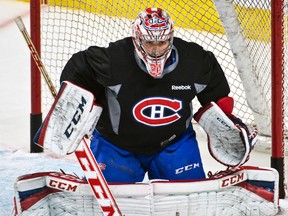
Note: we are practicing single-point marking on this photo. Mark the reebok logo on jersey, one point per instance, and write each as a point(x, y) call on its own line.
point(181, 87)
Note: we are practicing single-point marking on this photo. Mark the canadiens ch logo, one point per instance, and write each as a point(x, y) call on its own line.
point(157, 111)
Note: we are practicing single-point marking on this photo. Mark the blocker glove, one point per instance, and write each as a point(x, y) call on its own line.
point(72, 116)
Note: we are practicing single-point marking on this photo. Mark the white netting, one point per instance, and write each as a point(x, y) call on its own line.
point(71, 26)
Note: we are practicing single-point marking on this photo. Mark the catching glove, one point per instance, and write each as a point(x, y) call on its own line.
point(230, 141)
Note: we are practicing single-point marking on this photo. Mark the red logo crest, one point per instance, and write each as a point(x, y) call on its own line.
point(156, 107)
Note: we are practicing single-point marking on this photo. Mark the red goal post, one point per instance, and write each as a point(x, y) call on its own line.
point(248, 37)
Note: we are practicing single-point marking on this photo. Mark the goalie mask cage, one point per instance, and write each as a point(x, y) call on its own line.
point(248, 37)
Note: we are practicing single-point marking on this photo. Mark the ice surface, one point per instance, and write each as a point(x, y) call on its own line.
point(15, 159)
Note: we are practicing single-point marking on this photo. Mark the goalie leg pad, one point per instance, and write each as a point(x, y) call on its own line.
point(228, 143)
point(246, 191)
point(72, 116)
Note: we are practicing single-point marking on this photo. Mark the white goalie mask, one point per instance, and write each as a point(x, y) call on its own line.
point(152, 35)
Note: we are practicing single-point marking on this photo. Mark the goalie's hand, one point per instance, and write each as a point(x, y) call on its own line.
point(230, 141)
point(248, 134)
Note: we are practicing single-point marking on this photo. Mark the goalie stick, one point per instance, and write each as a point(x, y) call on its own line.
point(85, 157)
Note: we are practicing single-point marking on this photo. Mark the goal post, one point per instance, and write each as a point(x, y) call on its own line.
point(248, 37)
point(279, 65)
point(36, 106)
point(266, 116)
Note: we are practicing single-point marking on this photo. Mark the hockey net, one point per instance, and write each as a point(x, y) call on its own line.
point(238, 32)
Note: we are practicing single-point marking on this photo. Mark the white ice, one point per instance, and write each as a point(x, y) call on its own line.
point(15, 159)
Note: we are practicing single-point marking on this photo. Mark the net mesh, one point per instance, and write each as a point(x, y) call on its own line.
point(73, 25)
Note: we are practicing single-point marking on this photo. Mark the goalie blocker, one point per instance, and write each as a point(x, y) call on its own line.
point(230, 141)
point(72, 116)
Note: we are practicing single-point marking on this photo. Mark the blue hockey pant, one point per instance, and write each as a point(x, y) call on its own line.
point(179, 161)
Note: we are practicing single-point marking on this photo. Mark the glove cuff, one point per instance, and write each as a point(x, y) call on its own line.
point(226, 104)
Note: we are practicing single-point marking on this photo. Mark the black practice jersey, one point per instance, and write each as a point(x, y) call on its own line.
point(142, 114)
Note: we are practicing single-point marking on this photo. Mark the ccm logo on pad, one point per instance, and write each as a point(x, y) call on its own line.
point(62, 185)
point(233, 179)
point(76, 117)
